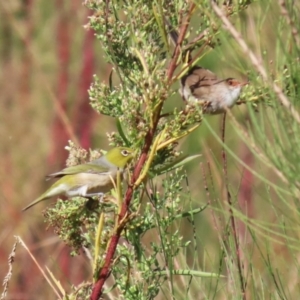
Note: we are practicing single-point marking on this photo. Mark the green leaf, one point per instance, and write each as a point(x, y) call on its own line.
point(190, 273)
point(122, 134)
point(179, 162)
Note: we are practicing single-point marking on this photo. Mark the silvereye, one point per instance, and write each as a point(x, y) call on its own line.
point(90, 179)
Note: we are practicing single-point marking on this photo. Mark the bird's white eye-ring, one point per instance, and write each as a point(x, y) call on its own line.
point(124, 152)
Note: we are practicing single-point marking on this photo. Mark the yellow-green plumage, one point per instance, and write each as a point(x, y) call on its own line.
point(93, 178)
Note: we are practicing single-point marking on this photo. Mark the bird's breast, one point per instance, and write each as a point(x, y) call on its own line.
point(87, 183)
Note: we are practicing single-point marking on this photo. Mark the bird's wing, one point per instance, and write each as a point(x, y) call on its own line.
point(199, 82)
point(202, 77)
point(85, 168)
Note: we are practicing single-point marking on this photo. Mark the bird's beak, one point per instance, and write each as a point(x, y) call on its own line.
point(244, 83)
point(135, 153)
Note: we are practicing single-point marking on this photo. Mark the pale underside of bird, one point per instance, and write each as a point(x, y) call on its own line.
point(86, 185)
point(86, 182)
point(215, 95)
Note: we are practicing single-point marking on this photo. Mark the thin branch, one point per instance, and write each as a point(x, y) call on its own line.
point(264, 158)
point(255, 61)
point(286, 14)
point(177, 50)
point(198, 38)
point(231, 215)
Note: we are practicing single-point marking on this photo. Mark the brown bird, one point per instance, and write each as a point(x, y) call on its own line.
point(203, 86)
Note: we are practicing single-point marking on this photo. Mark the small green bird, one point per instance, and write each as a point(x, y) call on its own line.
point(90, 179)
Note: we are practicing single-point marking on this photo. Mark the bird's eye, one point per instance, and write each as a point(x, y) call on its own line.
point(124, 152)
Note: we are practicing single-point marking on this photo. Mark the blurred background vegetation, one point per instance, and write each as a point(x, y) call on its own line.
point(47, 62)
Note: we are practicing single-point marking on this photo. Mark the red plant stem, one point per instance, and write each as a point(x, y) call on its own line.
point(27, 60)
point(105, 270)
point(84, 115)
point(181, 36)
point(60, 135)
point(26, 92)
point(246, 190)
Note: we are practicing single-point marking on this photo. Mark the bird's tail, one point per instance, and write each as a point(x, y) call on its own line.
point(171, 31)
point(41, 198)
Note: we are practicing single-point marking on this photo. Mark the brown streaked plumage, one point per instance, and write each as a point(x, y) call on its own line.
point(203, 86)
